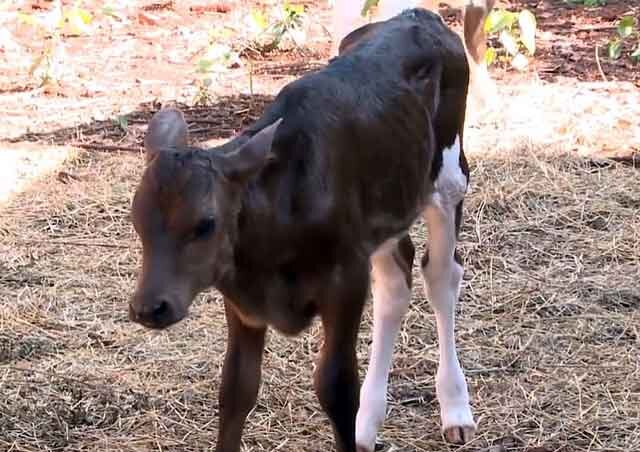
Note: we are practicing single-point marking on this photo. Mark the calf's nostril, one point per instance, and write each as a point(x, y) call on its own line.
point(161, 311)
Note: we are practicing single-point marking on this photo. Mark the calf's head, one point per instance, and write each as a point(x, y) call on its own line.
point(185, 213)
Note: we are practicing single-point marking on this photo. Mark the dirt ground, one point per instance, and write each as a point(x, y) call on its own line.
point(547, 324)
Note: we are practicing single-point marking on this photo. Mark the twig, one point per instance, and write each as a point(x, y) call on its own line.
point(70, 242)
point(107, 147)
point(604, 77)
point(594, 27)
point(200, 130)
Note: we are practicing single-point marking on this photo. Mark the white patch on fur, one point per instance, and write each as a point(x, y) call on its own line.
point(391, 296)
point(451, 183)
point(443, 278)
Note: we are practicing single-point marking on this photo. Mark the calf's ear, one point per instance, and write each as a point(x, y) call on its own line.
point(251, 157)
point(357, 35)
point(167, 130)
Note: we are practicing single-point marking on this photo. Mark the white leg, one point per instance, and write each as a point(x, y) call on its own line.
point(346, 18)
point(443, 277)
point(389, 8)
point(483, 88)
point(391, 273)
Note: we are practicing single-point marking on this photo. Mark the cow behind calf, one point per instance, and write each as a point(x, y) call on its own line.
point(289, 219)
point(347, 16)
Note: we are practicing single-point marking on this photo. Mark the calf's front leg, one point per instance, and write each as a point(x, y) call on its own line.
point(240, 379)
point(336, 378)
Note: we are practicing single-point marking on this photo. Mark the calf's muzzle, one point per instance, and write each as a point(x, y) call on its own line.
point(156, 312)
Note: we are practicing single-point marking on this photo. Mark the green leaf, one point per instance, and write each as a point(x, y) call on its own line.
point(78, 20)
point(615, 49)
point(490, 56)
point(498, 20)
point(368, 4)
point(108, 10)
point(625, 26)
point(293, 10)
point(635, 56)
point(122, 122)
point(259, 20)
point(528, 25)
point(204, 66)
point(509, 42)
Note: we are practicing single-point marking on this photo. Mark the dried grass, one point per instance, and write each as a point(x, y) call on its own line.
point(591, 119)
point(548, 324)
point(21, 164)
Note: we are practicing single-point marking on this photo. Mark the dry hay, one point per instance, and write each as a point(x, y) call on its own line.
point(548, 325)
point(591, 119)
point(22, 163)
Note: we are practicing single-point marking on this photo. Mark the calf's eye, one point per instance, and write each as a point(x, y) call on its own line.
point(204, 229)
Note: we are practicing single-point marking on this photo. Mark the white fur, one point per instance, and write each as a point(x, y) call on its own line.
point(443, 277)
point(451, 183)
point(391, 296)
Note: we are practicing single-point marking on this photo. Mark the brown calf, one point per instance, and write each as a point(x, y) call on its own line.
point(289, 219)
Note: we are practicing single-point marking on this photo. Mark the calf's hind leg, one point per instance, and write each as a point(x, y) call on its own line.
point(442, 271)
point(391, 288)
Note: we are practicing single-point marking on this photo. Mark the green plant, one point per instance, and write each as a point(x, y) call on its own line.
point(588, 3)
point(122, 122)
point(627, 31)
point(516, 33)
point(266, 32)
point(269, 31)
point(50, 30)
point(217, 59)
point(368, 4)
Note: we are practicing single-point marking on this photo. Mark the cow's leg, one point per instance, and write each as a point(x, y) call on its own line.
point(336, 377)
point(475, 39)
point(389, 8)
point(442, 271)
point(240, 379)
point(475, 13)
point(391, 287)
point(346, 18)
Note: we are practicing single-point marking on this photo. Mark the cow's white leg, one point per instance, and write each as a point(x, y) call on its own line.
point(443, 276)
point(389, 8)
point(391, 287)
point(483, 88)
point(346, 18)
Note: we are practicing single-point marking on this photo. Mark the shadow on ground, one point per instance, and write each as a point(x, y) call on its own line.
point(225, 117)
